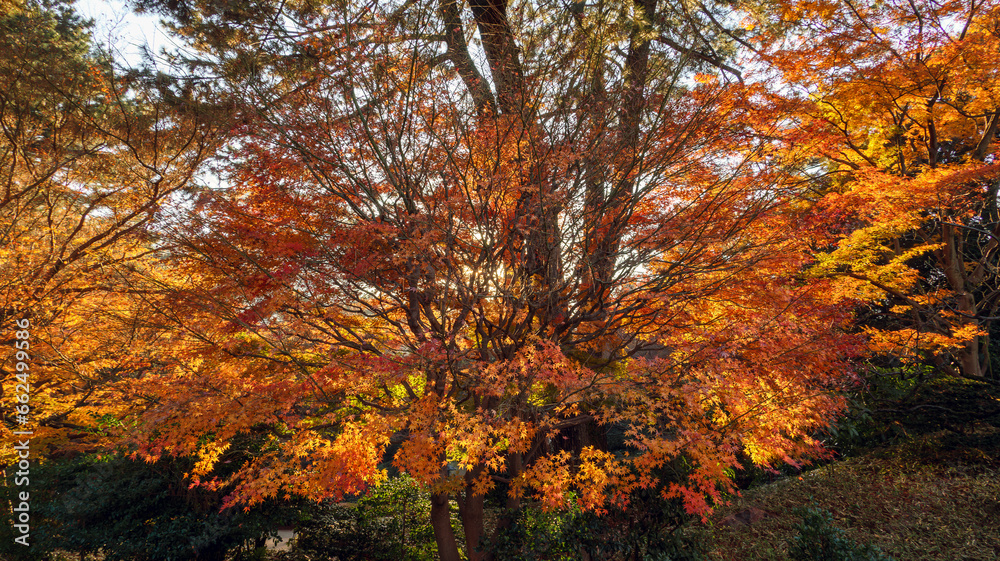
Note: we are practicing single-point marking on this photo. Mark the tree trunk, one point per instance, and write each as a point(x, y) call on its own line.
point(502, 53)
point(616, 208)
point(969, 360)
point(472, 510)
point(515, 465)
point(441, 522)
point(954, 270)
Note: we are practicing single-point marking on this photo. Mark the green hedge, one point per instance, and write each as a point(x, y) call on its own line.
point(134, 511)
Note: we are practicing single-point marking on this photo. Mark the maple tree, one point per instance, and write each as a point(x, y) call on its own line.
point(472, 237)
point(475, 231)
point(86, 160)
point(894, 115)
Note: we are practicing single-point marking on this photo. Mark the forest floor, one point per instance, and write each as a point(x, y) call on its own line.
point(925, 495)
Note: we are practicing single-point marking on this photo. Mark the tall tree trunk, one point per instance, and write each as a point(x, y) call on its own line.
point(969, 360)
point(541, 266)
point(441, 522)
point(472, 508)
point(515, 465)
point(616, 208)
point(502, 53)
point(954, 270)
point(458, 54)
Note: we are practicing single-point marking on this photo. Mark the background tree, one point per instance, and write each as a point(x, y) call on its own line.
point(894, 124)
point(87, 158)
point(474, 229)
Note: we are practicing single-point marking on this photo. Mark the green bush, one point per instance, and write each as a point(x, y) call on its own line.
point(897, 404)
point(133, 511)
point(403, 509)
point(390, 523)
point(820, 540)
point(534, 535)
point(646, 530)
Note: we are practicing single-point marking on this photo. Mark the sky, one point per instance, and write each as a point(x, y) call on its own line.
point(121, 31)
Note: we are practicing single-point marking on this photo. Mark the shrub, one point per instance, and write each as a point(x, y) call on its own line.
point(646, 530)
point(820, 540)
point(390, 523)
point(534, 535)
point(133, 511)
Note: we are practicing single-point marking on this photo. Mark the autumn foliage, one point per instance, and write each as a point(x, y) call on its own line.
point(895, 110)
point(471, 239)
point(86, 161)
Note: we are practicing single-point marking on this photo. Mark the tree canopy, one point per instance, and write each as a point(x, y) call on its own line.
point(474, 238)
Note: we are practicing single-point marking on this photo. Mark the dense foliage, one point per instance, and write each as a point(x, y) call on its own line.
point(820, 540)
point(389, 523)
point(550, 261)
point(126, 510)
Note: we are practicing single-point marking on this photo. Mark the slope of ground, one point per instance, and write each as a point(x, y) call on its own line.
point(934, 497)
